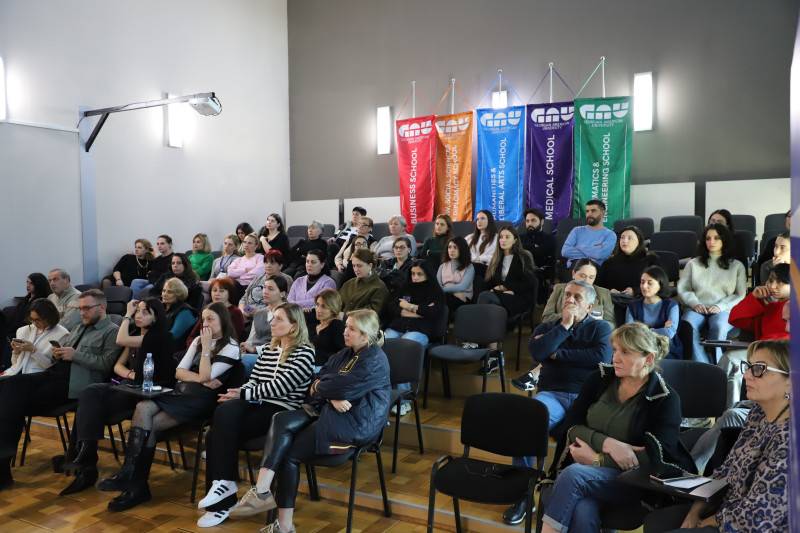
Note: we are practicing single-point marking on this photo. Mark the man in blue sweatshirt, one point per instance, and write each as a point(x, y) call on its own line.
point(569, 350)
point(593, 240)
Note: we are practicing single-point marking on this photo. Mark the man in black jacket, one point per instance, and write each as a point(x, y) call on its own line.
point(539, 243)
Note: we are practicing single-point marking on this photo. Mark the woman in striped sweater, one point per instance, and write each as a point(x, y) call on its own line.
point(278, 383)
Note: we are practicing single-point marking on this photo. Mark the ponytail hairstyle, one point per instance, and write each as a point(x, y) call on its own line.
point(637, 337)
point(367, 322)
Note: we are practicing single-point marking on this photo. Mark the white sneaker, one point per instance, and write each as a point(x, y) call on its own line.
point(220, 489)
point(405, 407)
point(276, 528)
point(214, 518)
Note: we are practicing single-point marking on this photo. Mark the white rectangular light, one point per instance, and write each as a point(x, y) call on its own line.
point(3, 107)
point(384, 130)
point(175, 123)
point(499, 99)
point(643, 101)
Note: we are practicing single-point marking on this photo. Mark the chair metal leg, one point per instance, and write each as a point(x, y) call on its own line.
point(169, 455)
point(501, 362)
point(351, 504)
point(431, 502)
point(427, 381)
point(67, 428)
point(183, 453)
point(396, 436)
point(457, 513)
point(25, 442)
point(387, 506)
point(519, 339)
point(61, 431)
point(419, 427)
point(113, 442)
point(485, 366)
point(446, 379)
point(311, 475)
point(197, 453)
point(250, 468)
point(122, 438)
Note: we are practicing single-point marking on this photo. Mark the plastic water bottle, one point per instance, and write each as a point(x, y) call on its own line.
point(149, 369)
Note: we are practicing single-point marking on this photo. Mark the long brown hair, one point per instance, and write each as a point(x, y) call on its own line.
point(516, 250)
point(491, 232)
point(228, 332)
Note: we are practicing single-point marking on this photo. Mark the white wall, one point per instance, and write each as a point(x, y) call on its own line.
point(232, 168)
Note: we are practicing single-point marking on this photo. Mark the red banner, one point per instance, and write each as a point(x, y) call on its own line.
point(416, 163)
point(454, 165)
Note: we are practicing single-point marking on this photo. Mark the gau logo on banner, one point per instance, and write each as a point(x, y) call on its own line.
point(501, 137)
point(416, 165)
point(549, 158)
point(603, 155)
point(454, 165)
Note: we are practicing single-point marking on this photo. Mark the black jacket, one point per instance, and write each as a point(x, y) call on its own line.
point(540, 244)
point(655, 423)
point(523, 282)
point(363, 380)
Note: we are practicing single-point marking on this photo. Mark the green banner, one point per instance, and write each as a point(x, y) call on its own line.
point(603, 149)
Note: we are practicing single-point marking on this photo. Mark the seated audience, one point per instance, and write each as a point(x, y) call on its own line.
point(351, 393)
point(366, 290)
point(456, 273)
point(222, 290)
point(434, 247)
point(397, 228)
point(345, 233)
point(36, 286)
point(316, 280)
point(724, 217)
point(65, 297)
point(483, 240)
point(273, 236)
point(245, 268)
point(510, 280)
point(201, 258)
point(583, 270)
point(757, 468)
point(341, 260)
point(625, 416)
point(182, 270)
point(273, 294)
point(358, 242)
point(326, 330)
point(161, 265)
point(86, 356)
point(656, 310)
point(100, 400)
point(180, 315)
point(593, 240)
point(394, 272)
point(622, 271)
point(419, 302)
point(768, 252)
point(201, 375)
point(219, 268)
point(298, 253)
point(781, 254)
point(541, 244)
point(252, 300)
point(31, 348)
point(278, 383)
point(132, 266)
point(243, 230)
point(710, 285)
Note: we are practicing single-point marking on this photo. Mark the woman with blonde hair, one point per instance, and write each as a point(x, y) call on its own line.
point(351, 396)
point(201, 258)
point(624, 417)
point(278, 383)
point(132, 266)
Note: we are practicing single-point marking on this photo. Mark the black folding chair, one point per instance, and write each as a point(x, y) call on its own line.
point(405, 366)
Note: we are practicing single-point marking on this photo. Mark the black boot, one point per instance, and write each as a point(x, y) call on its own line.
point(138, 490)
point(6, 480)
point(137, 437)
point(84, 479)
point(85, 458)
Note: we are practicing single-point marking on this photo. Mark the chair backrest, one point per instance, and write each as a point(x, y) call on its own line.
point(338, 277)
point(681, 242)
point(502, 224)
point(422, 230)
point(766, 237)
point(116, 293)
point(463, 228)
point(405, 360)
point(217, 254)
point(745, 222)
point(775, 222)
point(480, 323)
point(670, 262)
point(701, 387)
point(645, 224)
point(86, 286)
point(328, 230)
point(8, 312)
point(491, 421)
point(297, 231)
point(683, 223)
point(748, 239)
point(115, 318)
point(566, 225)
point(380, 230)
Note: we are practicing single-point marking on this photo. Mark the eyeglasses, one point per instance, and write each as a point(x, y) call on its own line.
point(758, 369)
point(364, 225)
point(38, 320)
point(87, 308)
point(400, 247)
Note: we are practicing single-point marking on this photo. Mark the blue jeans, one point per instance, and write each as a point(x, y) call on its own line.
point(138, 284)
point(557, 405)
point(410, 335)
point(718, 328)
point(578, 494)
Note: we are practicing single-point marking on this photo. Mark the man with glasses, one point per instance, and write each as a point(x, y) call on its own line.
point(65, 298)
point(86, 356)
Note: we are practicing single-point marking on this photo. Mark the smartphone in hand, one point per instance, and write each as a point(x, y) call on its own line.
point(55, 344)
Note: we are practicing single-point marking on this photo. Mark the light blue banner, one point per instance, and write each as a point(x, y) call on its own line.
point(501, 159)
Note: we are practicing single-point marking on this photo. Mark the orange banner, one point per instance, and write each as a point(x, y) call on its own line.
point(454, 165)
